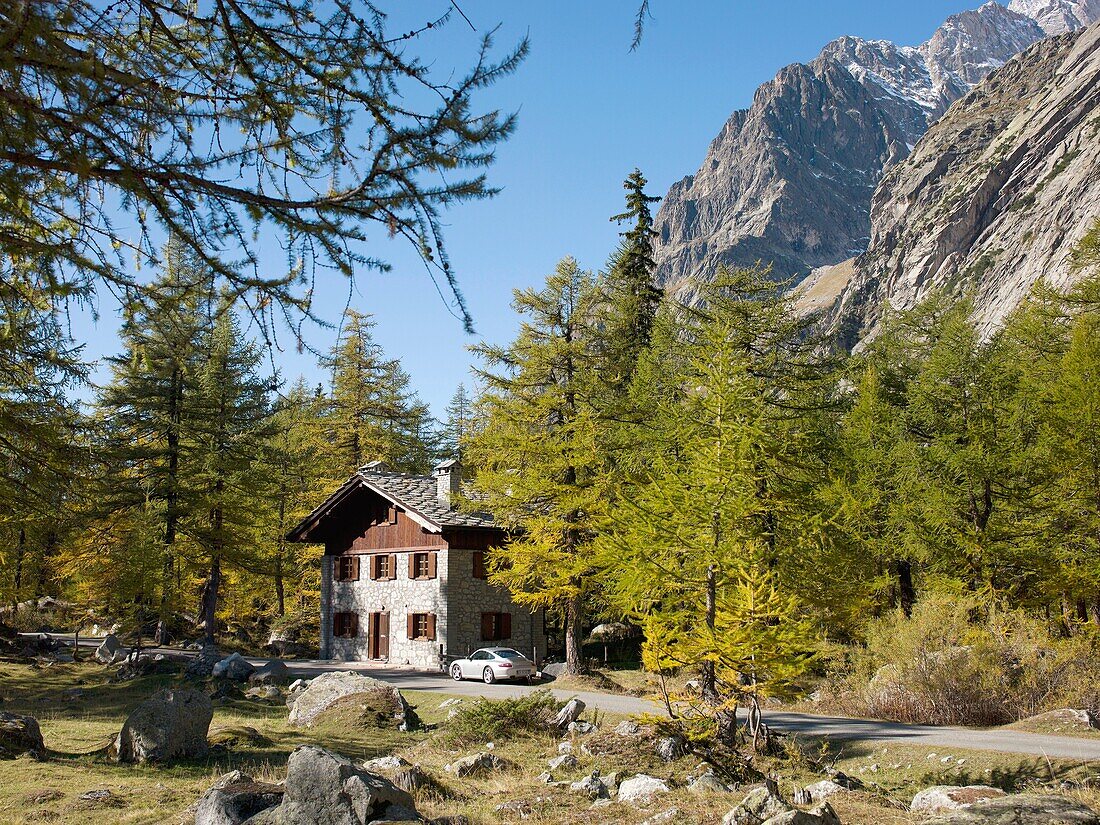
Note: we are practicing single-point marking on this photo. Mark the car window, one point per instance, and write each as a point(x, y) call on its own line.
point(480, 655)
point(509, 654)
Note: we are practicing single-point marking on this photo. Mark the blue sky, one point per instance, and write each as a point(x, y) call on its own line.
point(589, 112)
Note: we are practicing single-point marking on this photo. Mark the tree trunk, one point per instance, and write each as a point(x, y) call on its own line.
point(280, 593)
point(171, 504)
point(20, 553)
point(208, 602)
point(707, 680)
point(574, 615)
point(907, 594)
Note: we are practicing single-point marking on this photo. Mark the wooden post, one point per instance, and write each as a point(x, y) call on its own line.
point(76, 645)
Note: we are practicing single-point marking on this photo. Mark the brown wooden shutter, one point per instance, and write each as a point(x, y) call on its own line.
point(410, 623)
point(479, 564)
point(412, 565)
point(353, 624)
point(487, 627)
point(393, 565)
point(431, 626)
point(373, 561)
point(431, 565)
point(355, 568)
point(505, 625)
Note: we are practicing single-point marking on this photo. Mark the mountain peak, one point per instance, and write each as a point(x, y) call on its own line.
point(1058, 16)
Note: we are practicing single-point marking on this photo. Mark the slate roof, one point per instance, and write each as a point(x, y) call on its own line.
point(417, 495)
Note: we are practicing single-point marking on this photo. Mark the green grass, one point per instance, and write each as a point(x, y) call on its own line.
point(50, 791)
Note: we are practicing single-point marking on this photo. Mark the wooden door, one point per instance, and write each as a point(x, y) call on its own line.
point(383, 636)
point(378, 636)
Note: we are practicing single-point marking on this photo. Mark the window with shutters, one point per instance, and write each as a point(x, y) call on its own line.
point(347, 568)
point(383, 567)
point(422, 626)
point(345, 625)
point(422, 565)
point(479, 565)
point(496, 626)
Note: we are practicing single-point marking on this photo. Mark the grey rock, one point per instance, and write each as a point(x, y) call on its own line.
point(20, 736)
point(411, 778)
point(325, 788)
point(611, 780)
point(671, 815)
point(758, 806)
point(565, 747)
point(202, 665)
point(992, 198)
point(823, 814)
point(820, 791)
point(581, 728)
point(385, 763)
point(628, 728)
point(940, 798)
point(641, 788)
point(568, 714)
point(592, 786)
point(564, 762)
point(274, 672)
point(328, 688)
point(234, 798)
point(669, 748)
point(170, 724)
point(1020, 810)
point(520, 808)
point(108, 650)
point(474, 764)
point(233, 667)
point(708, 783)
point(398, 813)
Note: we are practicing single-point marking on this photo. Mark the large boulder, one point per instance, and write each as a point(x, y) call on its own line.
point(640, 789)
point(109, 651)
point(757, 807)
point(170, 724)
point(233, 667)
point(234, 798)
point(940, 798)
point(568, 714)
point(329, 688)
point(1020, 810)
point(20, 736)
point(325, 788)
point(274, 672)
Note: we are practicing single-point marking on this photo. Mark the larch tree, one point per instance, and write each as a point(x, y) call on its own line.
point(232, 427)
point(699, 541)
point(535, 452)
point(458, 422)
point(148, 411)
point(224, 122)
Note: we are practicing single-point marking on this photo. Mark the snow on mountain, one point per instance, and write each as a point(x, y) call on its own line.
point(1058, 16)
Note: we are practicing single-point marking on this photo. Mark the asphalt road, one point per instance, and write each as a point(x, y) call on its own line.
point(834, 728)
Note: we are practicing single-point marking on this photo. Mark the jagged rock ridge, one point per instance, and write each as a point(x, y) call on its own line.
point(993, 197)
point(790, 179)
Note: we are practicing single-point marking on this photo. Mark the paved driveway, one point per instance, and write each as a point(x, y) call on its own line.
point(831, 727)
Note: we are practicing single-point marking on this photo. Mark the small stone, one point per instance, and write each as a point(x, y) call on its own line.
point(385, 763)
point(669, 748)
point(671, 815)
point(568, 714)
point(639, 789)
point(592, 786)
point(516, 807)
point(628, 728)
point(565, 747)
point(940, 798)
point(475, 764)
point(564, 762)
point(581, 728)
point(708, 783)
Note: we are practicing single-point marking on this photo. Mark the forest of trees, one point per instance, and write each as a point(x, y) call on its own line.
point(714, 471)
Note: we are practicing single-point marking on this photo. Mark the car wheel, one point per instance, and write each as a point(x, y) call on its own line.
point(456, 672)
point(488, 676)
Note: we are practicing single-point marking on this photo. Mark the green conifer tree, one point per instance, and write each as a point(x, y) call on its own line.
point(535, 450)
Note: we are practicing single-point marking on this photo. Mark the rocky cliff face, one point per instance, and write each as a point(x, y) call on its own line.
point(994, 196)
point(789, 180)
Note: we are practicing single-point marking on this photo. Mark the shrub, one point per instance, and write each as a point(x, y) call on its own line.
point(486, 720)
point(957, 662)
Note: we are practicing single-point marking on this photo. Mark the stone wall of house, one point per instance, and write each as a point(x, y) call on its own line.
point(469, 597)
point(326, 606)
point(399, 597)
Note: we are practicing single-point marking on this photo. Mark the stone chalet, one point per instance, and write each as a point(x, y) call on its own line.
point(403, 578)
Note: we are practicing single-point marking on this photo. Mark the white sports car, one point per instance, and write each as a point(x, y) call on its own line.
point(492, 663)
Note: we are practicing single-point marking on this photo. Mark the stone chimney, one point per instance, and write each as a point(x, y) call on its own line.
point(374, 467)
point(448, 479)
